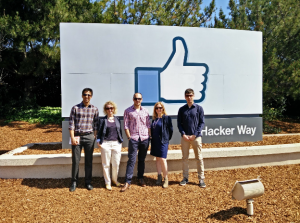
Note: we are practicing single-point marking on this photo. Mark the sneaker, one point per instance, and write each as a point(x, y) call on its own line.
point(202, 184)
point(108, 187)
point(184, 182)
point(73, 187)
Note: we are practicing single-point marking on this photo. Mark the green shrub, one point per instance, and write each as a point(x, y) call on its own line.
point(271, 114)
point(43, 115)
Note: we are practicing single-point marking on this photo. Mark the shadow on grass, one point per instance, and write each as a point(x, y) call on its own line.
point(227, 214)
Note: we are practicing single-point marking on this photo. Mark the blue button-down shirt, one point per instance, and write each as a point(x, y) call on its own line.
point(190, 121)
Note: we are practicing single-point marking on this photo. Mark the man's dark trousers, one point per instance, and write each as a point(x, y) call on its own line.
point(87, 142)
point(133, 148)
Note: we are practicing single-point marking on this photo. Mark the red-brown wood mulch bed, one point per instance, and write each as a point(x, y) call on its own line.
point(49, 200)
point(16, 134)
point(267, 140)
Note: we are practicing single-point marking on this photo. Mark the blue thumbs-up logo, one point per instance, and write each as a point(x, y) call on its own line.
point(168, 83)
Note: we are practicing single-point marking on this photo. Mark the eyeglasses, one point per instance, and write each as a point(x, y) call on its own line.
point(110, 108)
point(137, 99)
point(89, 95)
point(189, 95)
point(159, 108)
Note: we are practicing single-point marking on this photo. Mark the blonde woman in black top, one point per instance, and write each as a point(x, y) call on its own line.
point(110, 139)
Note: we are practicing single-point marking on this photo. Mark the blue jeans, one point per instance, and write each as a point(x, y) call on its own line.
point(133, 148)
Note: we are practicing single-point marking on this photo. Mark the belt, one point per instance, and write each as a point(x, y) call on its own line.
point(82, 134)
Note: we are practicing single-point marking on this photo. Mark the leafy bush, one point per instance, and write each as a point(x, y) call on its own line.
point(270, 129)
point(43, 115)
point(271, 114)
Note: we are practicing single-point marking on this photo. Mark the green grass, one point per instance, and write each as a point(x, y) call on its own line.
point(43, 115)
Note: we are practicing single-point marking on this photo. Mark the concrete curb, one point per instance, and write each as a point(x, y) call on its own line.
point(59, 165)
point(285, 134)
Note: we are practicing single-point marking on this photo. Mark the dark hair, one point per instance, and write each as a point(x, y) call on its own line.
point(87, 89)
point(189, 91)
point(137, 93)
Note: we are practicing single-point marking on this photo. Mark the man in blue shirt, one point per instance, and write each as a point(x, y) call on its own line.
point(190, 124)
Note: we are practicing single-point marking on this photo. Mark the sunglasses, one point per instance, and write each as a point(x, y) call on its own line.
point(137, 99)
point(158, 108)
point(189, 95)
point(89, 95)
point(110, 108)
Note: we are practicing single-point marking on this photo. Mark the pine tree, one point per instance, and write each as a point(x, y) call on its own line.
point(279, 21)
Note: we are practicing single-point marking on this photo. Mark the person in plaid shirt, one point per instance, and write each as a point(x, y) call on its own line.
point(83, 122)
point(137, 128)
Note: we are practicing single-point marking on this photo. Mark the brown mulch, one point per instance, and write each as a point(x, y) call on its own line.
point(49, 200)
point(267, 140)
point(16, 134)
point(287, 125)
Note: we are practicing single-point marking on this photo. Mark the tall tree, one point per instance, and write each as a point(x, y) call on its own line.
point(153, 12)
point(30, 50)
point(30, 53)
point(279, 21)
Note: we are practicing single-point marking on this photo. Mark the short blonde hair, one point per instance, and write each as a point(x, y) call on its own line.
point(110, 103)
point(154, 116)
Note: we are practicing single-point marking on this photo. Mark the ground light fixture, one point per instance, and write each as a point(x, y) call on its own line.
point(247, 190)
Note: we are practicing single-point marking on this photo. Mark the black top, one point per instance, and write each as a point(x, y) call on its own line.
point(111, 132)
point(103, 123)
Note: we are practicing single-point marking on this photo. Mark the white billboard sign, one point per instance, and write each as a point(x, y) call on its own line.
point(224, 67)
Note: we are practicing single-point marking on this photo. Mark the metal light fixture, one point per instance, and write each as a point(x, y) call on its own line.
point(247, 190)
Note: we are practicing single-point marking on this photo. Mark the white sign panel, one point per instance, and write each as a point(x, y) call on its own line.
point(224, 67)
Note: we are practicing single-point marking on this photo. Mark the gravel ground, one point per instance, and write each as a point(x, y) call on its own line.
point(267, 140)
point(49, 200)
point(17, 134)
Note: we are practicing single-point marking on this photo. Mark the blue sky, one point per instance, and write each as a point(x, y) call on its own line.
point(219, 4)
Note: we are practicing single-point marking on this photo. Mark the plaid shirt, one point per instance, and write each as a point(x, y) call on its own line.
point(138, 123)
point(83, 119)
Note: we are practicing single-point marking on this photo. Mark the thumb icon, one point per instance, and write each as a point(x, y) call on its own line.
point(179, 53)
point(168, 83)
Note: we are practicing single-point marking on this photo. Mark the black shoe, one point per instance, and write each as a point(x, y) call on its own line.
point(142, 182)
point(89, 186)
point(73, 187)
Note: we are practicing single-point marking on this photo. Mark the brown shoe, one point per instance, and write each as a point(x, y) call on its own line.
point(125, 187)
point(142, 182)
